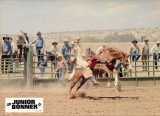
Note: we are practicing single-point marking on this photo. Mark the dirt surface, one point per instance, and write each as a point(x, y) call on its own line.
point(99, 101)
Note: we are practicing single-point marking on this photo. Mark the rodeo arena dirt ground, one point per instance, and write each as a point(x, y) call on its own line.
point(99, 101)
point(92, 100)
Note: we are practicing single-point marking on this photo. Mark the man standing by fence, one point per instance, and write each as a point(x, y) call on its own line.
point(134, 51)
point(6, 55)
point(145, 54)
point(39, 47)
point(20, 46)
point(54, 53)
point(156, 53)
point(66, 51)
point(73, 56)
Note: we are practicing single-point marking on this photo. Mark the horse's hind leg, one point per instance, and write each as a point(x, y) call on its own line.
point(108, 76)
point(82, 82)
point(117, 82)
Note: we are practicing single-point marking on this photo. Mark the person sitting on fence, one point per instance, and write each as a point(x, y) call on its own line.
point(156, 53)
point(61, 67)
point(66, 52)
point(40, 45)
point(6, 55)
point(134, 51)
point(145, 54)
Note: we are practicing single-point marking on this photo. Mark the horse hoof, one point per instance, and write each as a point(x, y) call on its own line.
point(118, 88)
point(72, 97)
point(95, 83)
point(82, 94)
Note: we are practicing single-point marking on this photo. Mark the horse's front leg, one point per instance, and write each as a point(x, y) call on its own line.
point(109, 77)
point(117, 81)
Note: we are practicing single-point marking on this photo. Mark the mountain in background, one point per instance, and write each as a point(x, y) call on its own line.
point(127, 35)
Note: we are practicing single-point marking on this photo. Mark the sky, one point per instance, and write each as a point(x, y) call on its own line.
point(77, 15)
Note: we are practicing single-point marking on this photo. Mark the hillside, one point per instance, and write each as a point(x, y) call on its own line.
point(127, 35)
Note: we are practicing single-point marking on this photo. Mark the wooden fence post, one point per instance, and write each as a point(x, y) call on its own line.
point(29, 68)
point(154, 80)
point(135, 64)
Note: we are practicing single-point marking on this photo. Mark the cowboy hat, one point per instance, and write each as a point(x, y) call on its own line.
point(158, 42)
point(39, 33)
point(5, 38)
point(134, 41)
point(77, 40)
point(146, 40)
point(54, 43)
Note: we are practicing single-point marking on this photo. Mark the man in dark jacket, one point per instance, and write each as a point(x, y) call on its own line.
point(66, 52)
point(6, 55)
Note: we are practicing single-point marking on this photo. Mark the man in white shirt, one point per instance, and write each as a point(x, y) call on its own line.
point(156, 53)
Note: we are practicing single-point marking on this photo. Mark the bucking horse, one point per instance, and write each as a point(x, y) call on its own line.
point(110, 60)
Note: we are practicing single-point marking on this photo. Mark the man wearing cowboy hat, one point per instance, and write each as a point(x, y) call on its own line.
point(72, 60)
point(66, 52)
point(134, 51)
point(145, 54)
point(20, 45)
point(54, 53)
point(40, 46)
point(55, 49)
point(156, 53)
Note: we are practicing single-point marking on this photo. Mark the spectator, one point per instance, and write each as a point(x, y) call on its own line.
point(42, 65)
point(6, 55)
point(156, 53)
point(13, 52)
point(20, 46)
point(40, 45)
point(72, 57)
point(60, 70)
point(25, 47)
point(12, 45)
point(54, 54)
point(55, 48)
point(145, 54)
point(66, 52)
point(134, 51)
